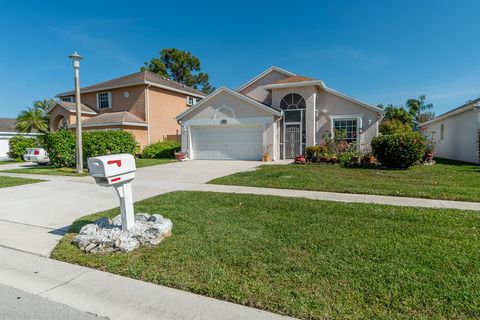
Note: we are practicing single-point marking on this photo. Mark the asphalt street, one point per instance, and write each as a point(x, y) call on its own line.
point(19, 305)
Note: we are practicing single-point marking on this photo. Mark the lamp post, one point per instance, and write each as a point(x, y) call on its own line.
point(79, 154)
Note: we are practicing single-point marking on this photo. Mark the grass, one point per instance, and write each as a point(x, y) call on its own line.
point(305, 258)
point(447, 180)
point(59, 171)
point(48, 170)
point(152, 162)
point(11, 182)
point(7, 162)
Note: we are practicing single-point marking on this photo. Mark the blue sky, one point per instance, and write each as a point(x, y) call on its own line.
point(377, 51)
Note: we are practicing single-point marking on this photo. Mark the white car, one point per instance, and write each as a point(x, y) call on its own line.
point(37, 155)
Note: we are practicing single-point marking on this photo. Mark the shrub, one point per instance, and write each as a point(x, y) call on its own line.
point(18, 145)
point(394, 126)
point(99, 143)
point(315, 153)
point(165, 149)
point(60, 146)
point(399, 150)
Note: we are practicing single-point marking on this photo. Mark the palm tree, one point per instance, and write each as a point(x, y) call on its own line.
point(44, 104)
point(416, 107)
point(32, 119)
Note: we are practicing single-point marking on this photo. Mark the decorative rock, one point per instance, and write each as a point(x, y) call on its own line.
point(102, 222)
point(117, 220)
point(148, 230)
point(142, 217)
point(89, 229)
point(156, 218)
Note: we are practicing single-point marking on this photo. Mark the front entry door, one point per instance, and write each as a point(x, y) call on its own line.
point(292, 140)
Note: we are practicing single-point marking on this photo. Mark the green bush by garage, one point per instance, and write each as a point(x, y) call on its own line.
point(399, 150)
point(164, 149)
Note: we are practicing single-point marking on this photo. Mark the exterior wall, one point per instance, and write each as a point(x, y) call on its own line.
point(140, 133)
point(255, 91)
point(226, 107)
point(58, 112)
point(134, 103)
point(338, 106)
point(460, 141)
point(163, 107)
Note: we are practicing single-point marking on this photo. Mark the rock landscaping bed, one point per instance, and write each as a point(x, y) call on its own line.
point(105, 235)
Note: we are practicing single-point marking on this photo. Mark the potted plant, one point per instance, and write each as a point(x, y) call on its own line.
point(430, 145)
point(267, 153)
point(180, 156)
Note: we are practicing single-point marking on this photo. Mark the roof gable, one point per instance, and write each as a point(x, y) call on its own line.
point(475, 103)
point(265, 73)
point(236, 94)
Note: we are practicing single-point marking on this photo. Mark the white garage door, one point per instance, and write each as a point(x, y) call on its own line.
point(227, 142)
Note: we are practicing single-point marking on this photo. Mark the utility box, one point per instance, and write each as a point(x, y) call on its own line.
point(118, 171)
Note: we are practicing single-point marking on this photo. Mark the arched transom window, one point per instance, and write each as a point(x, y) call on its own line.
point(293, 101)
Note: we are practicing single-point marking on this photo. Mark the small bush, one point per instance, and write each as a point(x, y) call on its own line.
point(394, 126)
point(18, 145)
point(400, 150)
point(99, 143)
point(165, 149)
point(60, 146)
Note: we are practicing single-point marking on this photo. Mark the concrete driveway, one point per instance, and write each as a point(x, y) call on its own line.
point(34, 217)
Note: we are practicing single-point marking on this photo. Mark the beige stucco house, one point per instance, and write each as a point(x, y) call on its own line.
point(456, 132)
point(277, 112)
point(142, 103)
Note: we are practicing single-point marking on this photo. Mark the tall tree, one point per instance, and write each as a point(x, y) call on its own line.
point(180, 66)
point(417, 107)
point(32, 119)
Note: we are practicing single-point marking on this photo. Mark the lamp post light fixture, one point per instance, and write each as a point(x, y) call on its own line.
point(79, 154)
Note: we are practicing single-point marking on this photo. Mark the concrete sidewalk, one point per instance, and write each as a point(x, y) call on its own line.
point(340, 197)
point(112, 296)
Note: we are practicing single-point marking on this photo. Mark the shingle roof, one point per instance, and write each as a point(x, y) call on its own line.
point(141, 77)
point(72, 107)
point(113, 118)
point(293, 79)
point(7, 124)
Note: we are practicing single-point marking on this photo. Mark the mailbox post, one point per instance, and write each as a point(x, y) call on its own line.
point(118, 171)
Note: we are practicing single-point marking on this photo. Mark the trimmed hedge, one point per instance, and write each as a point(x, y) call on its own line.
point(400, 150)
point(19, 144)
point(60, 145)
point(164, 149)
point(99, 143)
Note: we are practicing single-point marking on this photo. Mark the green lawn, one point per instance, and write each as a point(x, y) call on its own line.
point(152, 162)
point(48, 170)
point(448, 180)
point(10, 182)
point(53, 170)
point(306, 258)
point(7, 162)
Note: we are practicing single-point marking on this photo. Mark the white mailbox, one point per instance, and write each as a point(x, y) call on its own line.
point(118, 171)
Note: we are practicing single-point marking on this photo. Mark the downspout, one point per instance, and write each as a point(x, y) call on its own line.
point(147, 111)
point(314, 140)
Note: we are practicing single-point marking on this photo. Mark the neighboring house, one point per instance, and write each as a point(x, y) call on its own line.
point(456, 132)
point(277, 112)
point(142, 103)
point(7, 131)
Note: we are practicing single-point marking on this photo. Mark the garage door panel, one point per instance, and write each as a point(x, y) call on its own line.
point(227, 142)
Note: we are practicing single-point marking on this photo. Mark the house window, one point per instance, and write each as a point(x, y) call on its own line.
point(104, 100)
point(68, 99)
point(442, 131)
point(191, 101)
point(349, 126)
